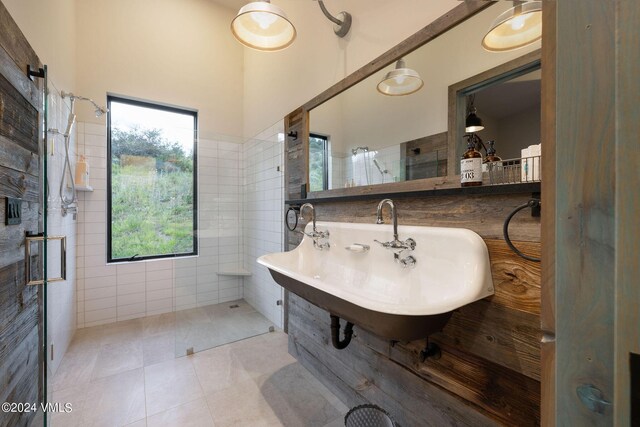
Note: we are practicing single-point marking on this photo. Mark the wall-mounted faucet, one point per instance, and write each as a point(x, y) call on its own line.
point(396, 245)
point(315, 234)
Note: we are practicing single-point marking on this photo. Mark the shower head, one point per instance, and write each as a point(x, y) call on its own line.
point(98, 109)
point(354, 151)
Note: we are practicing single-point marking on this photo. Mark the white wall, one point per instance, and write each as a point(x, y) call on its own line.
point(277, 83)
point(175, 52)
point(50, 28)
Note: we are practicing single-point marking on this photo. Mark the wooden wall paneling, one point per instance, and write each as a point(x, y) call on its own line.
point(21, 128)
point(510, 397)
point(483, 214)
point(548, 227)
point(370, 375)
point(21, 307)
point(627, 336)
point(585, 203)
point(17, 76)
point(516, 281)
point(15, 157)
point(510, 338)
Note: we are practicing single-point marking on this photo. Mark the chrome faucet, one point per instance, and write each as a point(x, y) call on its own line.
point(315, 234)
point(396, 245)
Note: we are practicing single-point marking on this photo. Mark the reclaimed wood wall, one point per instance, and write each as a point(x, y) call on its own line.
point(585, 210)
point(21, 362)
point(489, 372)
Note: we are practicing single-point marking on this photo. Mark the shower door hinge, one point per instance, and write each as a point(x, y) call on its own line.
point(35, 72)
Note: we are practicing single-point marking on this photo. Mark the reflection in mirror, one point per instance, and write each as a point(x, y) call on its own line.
point(371, 138)
point(510, 112)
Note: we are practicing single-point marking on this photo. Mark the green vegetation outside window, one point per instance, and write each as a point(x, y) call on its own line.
point(151, 181)
point(318, 162)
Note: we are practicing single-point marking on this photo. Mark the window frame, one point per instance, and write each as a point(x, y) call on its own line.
point(163, 107)
point(325, 171)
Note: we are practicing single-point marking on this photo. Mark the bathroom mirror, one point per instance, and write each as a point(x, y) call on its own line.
point(507, 101)
point(361, 137)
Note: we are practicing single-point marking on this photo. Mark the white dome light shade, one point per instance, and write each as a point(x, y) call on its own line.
point(517, 27)
point(263, 26)
point(401, 81)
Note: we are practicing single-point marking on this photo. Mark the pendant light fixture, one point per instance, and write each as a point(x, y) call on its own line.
point(515, 28)
point(400, 81)
point(263, 26)
point(473, 123)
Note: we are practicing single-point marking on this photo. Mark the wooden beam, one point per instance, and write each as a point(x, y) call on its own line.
point(548, 236)
point(627, 335)
point(585, 203)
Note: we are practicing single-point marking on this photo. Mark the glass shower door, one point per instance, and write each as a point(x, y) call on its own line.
point(210, 302)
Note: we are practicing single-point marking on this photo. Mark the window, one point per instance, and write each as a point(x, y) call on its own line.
point(151, 181)
point(318, 162)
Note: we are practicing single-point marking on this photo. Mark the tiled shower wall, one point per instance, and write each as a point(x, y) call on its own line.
point(263, 215)
point(220, 225)
point(116, 292)
point(61, 315)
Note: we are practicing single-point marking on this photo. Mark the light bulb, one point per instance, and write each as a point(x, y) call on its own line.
point(400, 79)
point(264, 19)
point(517, 22)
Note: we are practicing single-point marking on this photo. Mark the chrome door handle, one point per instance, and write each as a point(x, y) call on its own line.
point(27, 257)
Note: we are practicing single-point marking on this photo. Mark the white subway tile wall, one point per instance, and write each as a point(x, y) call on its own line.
point(117, 292)
point(263, 215)
point(61, 296)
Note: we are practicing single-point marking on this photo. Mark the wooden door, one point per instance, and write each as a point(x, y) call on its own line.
point(21, 306)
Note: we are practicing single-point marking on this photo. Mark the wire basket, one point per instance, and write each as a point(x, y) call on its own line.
point(368, 416)
point(515, 171)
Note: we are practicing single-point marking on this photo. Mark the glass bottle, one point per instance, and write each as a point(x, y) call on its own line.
point(491, 153)
point(471, 166)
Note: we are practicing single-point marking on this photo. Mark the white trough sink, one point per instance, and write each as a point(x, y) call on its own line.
point(371, 289)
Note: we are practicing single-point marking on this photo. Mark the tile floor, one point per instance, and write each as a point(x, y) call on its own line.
point(127, 374)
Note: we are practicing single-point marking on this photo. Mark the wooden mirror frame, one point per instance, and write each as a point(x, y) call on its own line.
point(297, 122)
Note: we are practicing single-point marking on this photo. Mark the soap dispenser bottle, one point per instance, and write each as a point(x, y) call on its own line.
point(471, 166)
point(491, 153)
point(82, 173)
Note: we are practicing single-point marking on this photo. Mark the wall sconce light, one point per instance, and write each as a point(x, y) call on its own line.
point(400, 81)
point(515, 28)
point(264, 26)
point(473, 123)
point(342, 22)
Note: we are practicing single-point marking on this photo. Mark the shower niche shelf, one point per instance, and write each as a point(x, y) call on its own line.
point(234, 272)
point(86, 189)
